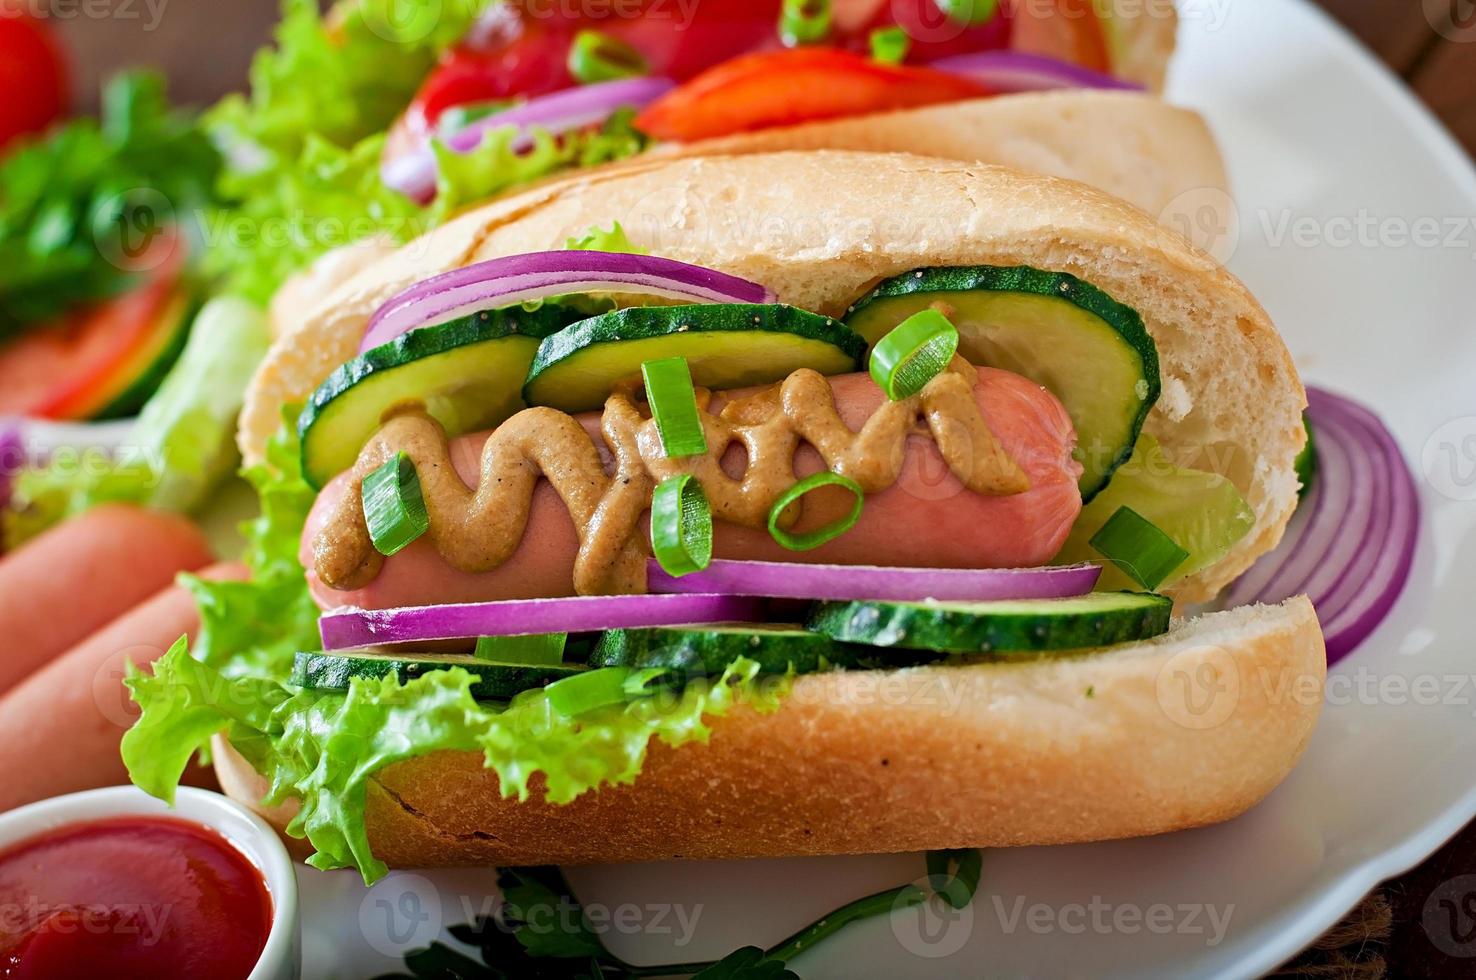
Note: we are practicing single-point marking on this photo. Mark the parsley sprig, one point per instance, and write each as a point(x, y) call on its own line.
point(563, 946)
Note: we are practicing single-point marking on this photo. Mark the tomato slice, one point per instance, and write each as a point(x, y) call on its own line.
point(32, 75)
point(781, 88)
point(57, 370)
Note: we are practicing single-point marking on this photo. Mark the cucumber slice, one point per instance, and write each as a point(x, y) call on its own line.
point(468, 373)
point(494, 681)
point(136, 378)
point(727, 345)
point(704, 650)
point(1087, 349)
point(1005, 627)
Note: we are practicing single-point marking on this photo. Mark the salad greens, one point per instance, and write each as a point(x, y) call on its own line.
point(180, 445)
point(304, 146)
point(567, 947)
point(67, 196)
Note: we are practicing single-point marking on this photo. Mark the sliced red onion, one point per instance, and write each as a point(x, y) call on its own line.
point(1018, 71)
point(344, 629)
point(414, 174)
point(517, 279)
point(1351, 544)
point(794, 580)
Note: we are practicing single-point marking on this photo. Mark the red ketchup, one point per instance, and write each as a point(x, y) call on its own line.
point(130, 897)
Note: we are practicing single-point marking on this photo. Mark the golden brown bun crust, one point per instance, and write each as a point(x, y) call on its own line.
point(821, 227)
point(1189, 729)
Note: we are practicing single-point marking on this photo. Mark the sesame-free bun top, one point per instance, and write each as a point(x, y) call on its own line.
point(820, 228)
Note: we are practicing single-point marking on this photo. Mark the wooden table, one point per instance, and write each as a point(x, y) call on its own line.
point(206, 45)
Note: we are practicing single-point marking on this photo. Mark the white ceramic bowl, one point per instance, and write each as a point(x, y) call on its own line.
point(281, 958)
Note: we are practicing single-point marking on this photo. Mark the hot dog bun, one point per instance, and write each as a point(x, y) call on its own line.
point(1188, 729)
point(821, 227)
point(1131, 145)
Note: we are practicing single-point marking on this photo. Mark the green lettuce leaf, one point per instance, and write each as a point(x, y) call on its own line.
point(256, 626)
point(305, 146)
point(613, 239)
point(1201, 511)
point(322, 748)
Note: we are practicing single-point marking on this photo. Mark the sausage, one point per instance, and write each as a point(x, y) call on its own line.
point(60, 728)
point(78, 577)
point(926, 519)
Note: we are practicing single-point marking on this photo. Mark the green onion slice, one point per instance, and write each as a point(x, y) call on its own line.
point(536, 649)
point(913, 353)
point(674, 407)
point(814, 539)
point(1143, 552)
point(596, 57)
point(592, 689)
point(890, 45)
point(681, 526)
point(968, 11)
point(393, 506)
point(804, 22)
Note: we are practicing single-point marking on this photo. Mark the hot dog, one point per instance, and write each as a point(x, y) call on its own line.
point(927, 518)
point(60, 728)
point(79, 576)
point(965, 361)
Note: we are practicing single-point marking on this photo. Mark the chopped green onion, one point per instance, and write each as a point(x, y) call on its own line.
point(596, 57)
point(1143, 552)
point(957, 889)
point(587, 691)
point(393, 506)
point(674, 407)
point(804, 22)
point(681, 526)
point(890, 45)
point(968, 11)
point(645, 682)
point(536, 649)
point(913, 353)
point(814, 539)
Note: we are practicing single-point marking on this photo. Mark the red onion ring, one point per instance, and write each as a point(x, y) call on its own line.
point(1019, 71)
point(796, 580)
point(1351, 545)
point(344, 629)
point(520, 278)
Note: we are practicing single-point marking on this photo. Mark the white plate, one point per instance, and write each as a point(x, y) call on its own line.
point(1320, 140)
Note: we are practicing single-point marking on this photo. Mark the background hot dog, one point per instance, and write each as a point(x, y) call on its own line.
point(60, 728)
point(83, 574)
